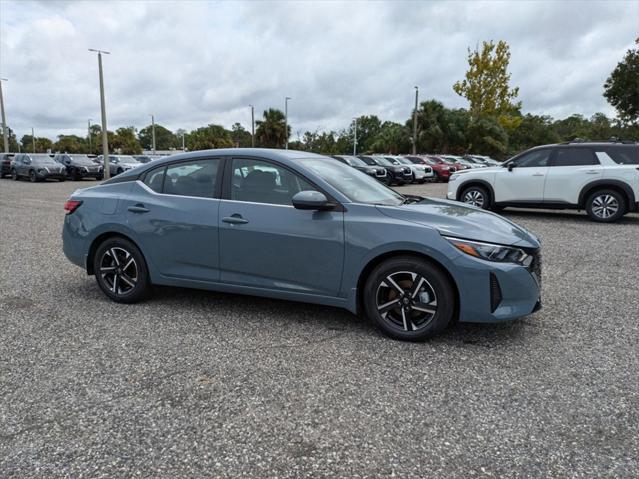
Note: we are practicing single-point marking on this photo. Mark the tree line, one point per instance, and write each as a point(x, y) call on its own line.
point(493, 123)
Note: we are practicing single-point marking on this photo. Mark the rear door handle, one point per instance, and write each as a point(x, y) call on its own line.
point(139, 208)
point(235, 219)
point(538, 174)
point(592, 172)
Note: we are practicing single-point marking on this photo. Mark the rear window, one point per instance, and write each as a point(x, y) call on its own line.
point(575, 157)
point(623, 154)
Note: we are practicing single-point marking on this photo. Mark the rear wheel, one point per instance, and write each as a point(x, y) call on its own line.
point(409, 298)
point(121, 271)
point(605, 206)
point(14, 175)
point(476, 196)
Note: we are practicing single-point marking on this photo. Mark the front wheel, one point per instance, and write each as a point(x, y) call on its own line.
point(409, 298)
point(32, 176)
point(121, 271)
point(605, 206)
point(476, 196)
point(14, 175)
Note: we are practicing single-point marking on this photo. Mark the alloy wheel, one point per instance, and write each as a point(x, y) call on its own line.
point(474, 198)
point(32, 176)
point(118, 270)
point(604, 206)
point(406, 301)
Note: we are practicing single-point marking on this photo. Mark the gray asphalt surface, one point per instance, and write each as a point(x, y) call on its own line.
point(194, 383)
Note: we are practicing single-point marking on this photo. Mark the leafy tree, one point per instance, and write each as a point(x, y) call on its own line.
point(487, 82)
point(486, 136)
point(621, 89)
point(42, 145)
point(368, 127)
point(392, 138)
point(125, 141)
point(164, 138)
point(13, 140)
point(571, 128)
point(241, 137)
point(271, 131)
point(209, 137)
point(70, 144)
point(440, 129)
point(533, 130)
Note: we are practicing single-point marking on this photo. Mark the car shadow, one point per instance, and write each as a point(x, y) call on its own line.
point(561, 215)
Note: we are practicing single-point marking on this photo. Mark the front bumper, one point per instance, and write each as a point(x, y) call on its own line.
point(51, 175)
point(493, 292)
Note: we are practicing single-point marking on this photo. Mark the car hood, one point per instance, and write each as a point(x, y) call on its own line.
point(451, 218)
point(131, 164)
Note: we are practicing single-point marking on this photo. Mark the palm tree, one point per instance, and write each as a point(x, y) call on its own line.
point(270, 131)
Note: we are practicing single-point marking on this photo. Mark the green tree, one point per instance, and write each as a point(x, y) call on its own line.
point(392, 138)
point(572, 128)
point(13, 140)
point(440, 129)
point(271, 131)
point(368, 127)
point(533, 130)
point(70, 144)
point(42, 144)
point(164, 138)
point(241, 137)
point(487, 83)
point(487, 137)
point(126, 141)
point(621, 89)
point(209, 137)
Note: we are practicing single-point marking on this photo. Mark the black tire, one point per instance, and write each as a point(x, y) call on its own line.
point(405, 321)
point(476, 196)
point(62, 179)
point(75, 175)
point(32, 176)
point(421, 182)
point(606, 206)
point(118, 279)
point(14, 175)
point(99, 178)
point(120, 170)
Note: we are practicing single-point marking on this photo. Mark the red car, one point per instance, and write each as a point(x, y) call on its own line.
point(441, 169)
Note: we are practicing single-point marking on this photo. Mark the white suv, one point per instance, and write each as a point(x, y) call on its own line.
point(600, 177)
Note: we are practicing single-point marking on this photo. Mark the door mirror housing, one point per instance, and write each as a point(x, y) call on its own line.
point(312, 200)
point(511, 166)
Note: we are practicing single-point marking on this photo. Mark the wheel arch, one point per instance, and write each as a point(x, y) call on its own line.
point(98, 240)
point(475, 182)
point(377, 260)
point(617, 185)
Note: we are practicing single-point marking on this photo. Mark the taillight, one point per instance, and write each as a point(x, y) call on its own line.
point(72, 205)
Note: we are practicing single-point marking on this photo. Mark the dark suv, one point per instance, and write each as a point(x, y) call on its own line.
point(376, 172)
point(37, 167)
point(395, 174)
point(5, 164)
point(79, 166)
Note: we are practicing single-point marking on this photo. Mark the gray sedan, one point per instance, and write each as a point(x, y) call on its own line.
point(37, 167)
point(119, 163)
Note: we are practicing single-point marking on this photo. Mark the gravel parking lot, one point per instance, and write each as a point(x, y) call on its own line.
point(199, 383)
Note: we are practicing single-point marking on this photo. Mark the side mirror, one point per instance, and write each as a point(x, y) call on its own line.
point(511, 166)
point(312, 200)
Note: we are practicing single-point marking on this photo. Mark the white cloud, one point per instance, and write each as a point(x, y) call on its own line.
point(192, 63)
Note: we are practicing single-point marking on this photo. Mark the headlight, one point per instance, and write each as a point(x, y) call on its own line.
point(492, 252)
point(371, 171)
point(453, 177)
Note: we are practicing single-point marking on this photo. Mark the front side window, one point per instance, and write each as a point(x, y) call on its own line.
point(190, 178)
point(537, 158)
point(575, 157)
point(262, 182)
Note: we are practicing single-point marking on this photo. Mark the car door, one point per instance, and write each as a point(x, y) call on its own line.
point(174, 213)
point(571, 168)
point(23, 165)
point(524, 180)
point(267, 243)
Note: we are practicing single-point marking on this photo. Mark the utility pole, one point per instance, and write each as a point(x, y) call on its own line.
point(153, 133)
point(33, 139)
point(354, 136)
point(415, 122)
point(89, 133)
point(105, 138)
point(5, 134)
point(286, 121)
point(252, 126)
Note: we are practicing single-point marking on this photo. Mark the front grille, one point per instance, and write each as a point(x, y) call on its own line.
point(408, 171)
point(380, 172)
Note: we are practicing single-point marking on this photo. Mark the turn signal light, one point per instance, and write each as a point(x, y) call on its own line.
point(72, 205)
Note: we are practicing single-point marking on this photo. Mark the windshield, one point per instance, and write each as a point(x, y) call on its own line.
point(383, 161)
point(404, 161)
point(81, 158)
point(353, 161)
point(358, 187)
point(41, 159)
point(127, 159)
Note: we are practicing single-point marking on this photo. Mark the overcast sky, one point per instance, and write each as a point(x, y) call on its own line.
point(194, 63)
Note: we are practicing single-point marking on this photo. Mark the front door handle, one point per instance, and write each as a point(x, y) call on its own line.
point(538, 174)
point(139, 208)
point(592, 172)
point(235, 219)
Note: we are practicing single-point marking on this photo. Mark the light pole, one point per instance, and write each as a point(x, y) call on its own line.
point(89, 133)
point(286, 121)
point(415, 122)
point(5, 134)
point(252, 126)
point(153, 133)
point(33, 139)
point(354, 136)
point(105, 139)
point(183, 148)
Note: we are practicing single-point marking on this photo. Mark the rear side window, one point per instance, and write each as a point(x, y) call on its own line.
point(193, 178)
point(575, 157)
point(623, 155)
point(154, 179)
